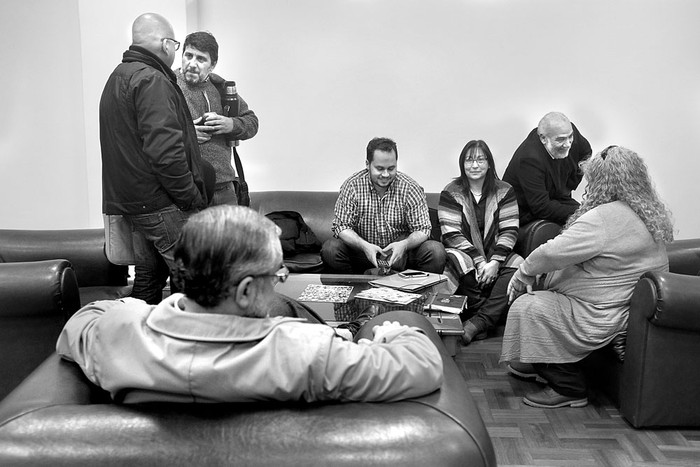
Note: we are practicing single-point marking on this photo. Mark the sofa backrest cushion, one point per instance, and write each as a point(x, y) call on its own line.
point(84, 248)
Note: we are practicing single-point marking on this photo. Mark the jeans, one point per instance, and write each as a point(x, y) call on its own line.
point(154, 235)
point(341, 258)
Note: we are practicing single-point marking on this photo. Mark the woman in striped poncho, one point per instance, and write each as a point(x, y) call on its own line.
point(479, 222)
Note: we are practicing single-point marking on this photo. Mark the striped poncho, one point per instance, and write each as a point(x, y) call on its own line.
point(464, 243)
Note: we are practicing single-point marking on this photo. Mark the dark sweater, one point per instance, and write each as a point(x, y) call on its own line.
point(543, 185)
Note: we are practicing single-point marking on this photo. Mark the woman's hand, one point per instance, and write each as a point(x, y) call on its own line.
point(487, 273)
point(518, 285)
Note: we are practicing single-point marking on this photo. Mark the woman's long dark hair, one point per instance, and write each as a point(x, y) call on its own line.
point(490, 178)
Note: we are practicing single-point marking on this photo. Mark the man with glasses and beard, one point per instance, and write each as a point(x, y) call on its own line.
point(230, 338)
point(545, 170)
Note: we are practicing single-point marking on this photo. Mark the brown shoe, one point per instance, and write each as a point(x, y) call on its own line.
point(548, 398)
point(472, 333)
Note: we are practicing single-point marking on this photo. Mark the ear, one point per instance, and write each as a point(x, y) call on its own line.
point(246, 290)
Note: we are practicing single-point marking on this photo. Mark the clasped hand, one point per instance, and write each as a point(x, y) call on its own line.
point(486, 273)
point(393, 252)
point(387, 332)
point(214, 124)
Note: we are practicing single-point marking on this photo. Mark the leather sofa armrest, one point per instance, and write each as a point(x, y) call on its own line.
point(676, 298)
point(534, 234)
point(684, 256)
point(36, 299)
point(38, 288)
point(660, 377)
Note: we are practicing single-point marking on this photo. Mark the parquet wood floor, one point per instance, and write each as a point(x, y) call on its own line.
point(592, 436)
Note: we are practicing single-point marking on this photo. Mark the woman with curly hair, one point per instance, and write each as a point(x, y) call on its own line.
point(618, 233)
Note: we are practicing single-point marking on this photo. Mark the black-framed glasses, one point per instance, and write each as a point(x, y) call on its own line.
point(280, 275)
point(478, 160)
point(177, 43)
point(604, 152)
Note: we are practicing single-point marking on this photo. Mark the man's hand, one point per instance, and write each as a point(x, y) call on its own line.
point(395, 251)
point(388, 331)
point(371, 252)
point(203, 131)
point(218, 124)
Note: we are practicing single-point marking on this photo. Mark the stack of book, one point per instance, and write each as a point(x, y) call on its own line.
point(446, 303)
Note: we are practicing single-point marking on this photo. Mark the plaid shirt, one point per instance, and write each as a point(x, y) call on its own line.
point(401, 211)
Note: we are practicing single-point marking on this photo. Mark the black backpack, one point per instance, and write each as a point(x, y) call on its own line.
point(296, 237)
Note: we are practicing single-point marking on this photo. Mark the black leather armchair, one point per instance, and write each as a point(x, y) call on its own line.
point(657, 382)
point(97, 278)
point(36, 298)
point(57, 417)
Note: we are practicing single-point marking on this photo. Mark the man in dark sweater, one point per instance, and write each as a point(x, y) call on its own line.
point(545, 170)
point(203, 92)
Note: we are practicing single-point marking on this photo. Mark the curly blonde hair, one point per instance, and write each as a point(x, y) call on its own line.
point(619, 174)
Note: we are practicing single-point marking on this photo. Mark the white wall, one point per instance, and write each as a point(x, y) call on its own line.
point(325, 76)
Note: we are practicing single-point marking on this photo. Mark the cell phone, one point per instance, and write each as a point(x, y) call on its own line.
point(412, 274)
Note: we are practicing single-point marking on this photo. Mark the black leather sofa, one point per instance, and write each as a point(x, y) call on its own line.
point(57, 417)
point(97, 278)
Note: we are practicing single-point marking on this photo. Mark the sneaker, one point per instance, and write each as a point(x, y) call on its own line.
point(525, 371)
point(472, 333)
point(355, 325)
point(548, 398)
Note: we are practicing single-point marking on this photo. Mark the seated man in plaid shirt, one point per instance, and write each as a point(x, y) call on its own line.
point(381, 220)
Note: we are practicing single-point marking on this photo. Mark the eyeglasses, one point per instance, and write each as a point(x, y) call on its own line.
point(280, 276)
point(177, 43)
point(604, 152)
point(478, 160)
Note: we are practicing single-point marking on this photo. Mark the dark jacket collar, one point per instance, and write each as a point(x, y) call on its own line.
point(139, 54)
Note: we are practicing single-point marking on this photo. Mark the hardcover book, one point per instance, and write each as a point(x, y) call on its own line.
point(447, 303)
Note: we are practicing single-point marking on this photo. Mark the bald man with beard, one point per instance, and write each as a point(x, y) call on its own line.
point(545, 170)
point(152, 171)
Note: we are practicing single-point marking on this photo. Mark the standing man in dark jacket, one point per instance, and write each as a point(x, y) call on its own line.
point(152, 171)
point(544, 170)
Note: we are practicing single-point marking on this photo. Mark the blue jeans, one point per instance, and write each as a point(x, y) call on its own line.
point(341, 258)
point(154, 235)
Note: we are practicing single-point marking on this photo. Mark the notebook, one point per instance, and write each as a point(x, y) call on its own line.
point(405, 282)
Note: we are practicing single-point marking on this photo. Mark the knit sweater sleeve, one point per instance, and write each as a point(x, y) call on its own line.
point(451, 221)
point(508, 225)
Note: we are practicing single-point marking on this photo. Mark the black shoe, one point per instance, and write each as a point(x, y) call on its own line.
point(355, 325)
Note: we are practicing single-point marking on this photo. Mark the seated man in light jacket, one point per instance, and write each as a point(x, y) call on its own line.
point(224, 340)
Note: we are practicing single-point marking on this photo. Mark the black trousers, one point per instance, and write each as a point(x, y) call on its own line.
point(488, 305)
point(565, 378)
